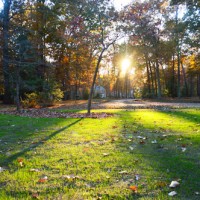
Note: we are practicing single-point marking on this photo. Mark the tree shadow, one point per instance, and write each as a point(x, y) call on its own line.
point(37, 144)
point(184, 115)
point(163, 161)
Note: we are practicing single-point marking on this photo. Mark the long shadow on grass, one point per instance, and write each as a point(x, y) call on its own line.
point(185, 115)
point(160, 163)
point(41, 142)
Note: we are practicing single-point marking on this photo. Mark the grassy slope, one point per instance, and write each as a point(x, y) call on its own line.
point(98, 151)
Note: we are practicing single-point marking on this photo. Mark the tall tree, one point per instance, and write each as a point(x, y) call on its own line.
point(5, 51)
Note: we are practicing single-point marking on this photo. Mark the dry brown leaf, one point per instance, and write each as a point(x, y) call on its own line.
point(161, 184)
point(142, 142)
point(20, 160)
point(35, 195)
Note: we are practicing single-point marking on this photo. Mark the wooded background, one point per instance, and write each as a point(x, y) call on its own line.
point(56, 49)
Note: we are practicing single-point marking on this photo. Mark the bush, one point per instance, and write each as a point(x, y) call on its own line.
point(48, 97)
point(51, 94)
point(31, 100)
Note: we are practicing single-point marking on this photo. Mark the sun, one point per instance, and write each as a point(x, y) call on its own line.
point(125, 65)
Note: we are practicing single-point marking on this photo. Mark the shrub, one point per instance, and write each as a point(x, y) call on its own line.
point(51, 94)
point(31, 100)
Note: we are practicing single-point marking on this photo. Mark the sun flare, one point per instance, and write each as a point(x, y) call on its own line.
point(125, 65)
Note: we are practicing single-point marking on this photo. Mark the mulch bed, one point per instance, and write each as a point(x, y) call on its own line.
point(45, 113)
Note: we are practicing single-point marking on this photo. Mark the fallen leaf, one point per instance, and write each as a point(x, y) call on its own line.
point(134, 188)
point(183, 149)
point(45, 177)
point(42, 180)
point(123, 172)
point(2, 169)
point(20, 160)
point(70, 177)
point(114, 127)
point(174, 184)
point(173, 193)
point(142, 142)
point(131, 148)
point(137, 177)
point(141, 137)
point(161, 184)
point(106, 154)
point(34, 170)
point(35, 195)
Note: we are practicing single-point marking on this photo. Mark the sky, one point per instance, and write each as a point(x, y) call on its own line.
point(121, 3)
point(118, 3)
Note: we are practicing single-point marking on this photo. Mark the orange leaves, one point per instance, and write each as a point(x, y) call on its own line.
point(43, 179)
point(20, 161)
point(134, 188)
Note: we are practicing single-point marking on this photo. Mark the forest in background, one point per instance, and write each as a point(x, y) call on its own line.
point(56, 49)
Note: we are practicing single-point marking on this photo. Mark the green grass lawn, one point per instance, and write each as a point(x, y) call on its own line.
point(79, 159)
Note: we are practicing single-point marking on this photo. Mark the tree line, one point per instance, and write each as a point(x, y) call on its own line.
point(53, 49)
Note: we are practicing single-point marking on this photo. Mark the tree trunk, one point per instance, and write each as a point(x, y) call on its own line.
point(18, 88)
point(155, 80)
point(158, 79)
point(173, 77)
point(126, 85)
point(185, 81)
point(198, 85)
point(179, 75)
point(5, 53)
point(148, 78)
point(152, 82)
point(191, 86)
point(178, 58)
point(94, 80)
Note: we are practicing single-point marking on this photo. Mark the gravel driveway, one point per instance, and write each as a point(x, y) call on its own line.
point(132, 103)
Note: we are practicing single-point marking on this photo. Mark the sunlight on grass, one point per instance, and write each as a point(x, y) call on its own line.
point(102, 156)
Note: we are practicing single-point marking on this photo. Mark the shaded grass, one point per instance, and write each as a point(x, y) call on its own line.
point(104, 154)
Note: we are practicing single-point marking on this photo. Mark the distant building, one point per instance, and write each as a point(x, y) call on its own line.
point(99, 91)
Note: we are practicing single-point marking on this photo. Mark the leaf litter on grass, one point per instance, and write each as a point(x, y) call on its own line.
point(138, 158)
